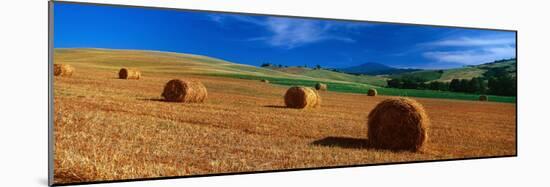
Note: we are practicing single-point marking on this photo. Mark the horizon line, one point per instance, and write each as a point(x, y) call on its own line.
point(274, 64)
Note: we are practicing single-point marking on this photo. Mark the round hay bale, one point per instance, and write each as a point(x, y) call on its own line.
point(372, 92)
point(126, 73)
point(302, 97)
point(63, 70)
point(398, 124)
point(177, 90)
point(264, 80)
point(483, 98)
point(321, 87)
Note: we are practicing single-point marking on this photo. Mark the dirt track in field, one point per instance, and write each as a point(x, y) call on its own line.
point(108, 129)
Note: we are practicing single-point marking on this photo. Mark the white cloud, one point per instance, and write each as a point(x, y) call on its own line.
point(472, 57)
point(292, 32)
point(467, 41)
point(221, 19)
point(216, 18)
point(472, 50)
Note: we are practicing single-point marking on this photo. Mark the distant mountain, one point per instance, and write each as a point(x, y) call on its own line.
point(372, 68)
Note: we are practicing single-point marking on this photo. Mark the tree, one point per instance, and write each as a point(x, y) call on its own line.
point(422, 85)
point(502, 85)
point(266, 64)
point(395, 83)
point(444, 86)
point(455, 85)
point(410, 84)
point(318, 66)
point(478, 85)
point(463, 85)
point(434, 85)
point(473, 86)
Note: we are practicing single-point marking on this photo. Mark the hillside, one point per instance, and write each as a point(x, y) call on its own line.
point(333, 75)
point(181, 64)
point(156, 61)
point(468, 72)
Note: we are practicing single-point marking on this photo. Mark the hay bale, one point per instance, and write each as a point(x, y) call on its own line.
point(126, 73)
point(398, 124)
point(264, 80)
point(372, 92)
point(186, 91)
point(63, 70)
point(483, 98)
point(321, 87)
point(302, 97)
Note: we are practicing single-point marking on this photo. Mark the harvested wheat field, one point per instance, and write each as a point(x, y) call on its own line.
point(107, 128)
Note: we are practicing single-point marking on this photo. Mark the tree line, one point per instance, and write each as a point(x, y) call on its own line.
point(285, 66)
point(496, 81)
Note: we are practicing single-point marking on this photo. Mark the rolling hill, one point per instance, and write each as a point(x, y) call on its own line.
point(158, 63)
point(372, 68)
point(468, 72)
point(333, 75)
point(180, 63)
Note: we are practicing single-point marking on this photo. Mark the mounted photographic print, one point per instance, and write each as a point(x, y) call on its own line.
point(156, 93)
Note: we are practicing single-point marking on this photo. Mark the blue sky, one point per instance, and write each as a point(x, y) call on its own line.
point(255, 40)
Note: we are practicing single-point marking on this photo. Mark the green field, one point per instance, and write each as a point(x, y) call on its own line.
point(333, 75)
point(363, 88)
point(366, 79)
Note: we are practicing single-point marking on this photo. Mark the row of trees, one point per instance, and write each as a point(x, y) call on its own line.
point(285, 66)
point(273, 65)
point(494, 81)
point(504, 85)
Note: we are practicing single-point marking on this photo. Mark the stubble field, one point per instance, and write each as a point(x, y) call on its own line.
point(108, 129)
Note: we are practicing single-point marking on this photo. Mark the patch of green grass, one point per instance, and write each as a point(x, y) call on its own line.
point(363, 88)
point(366, 79)
point(443, 95)
point(461, 73)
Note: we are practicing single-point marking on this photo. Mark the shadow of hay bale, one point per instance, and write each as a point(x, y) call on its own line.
point(154, 99)
point(352, 143)
point(276, 106)
point(343, 142)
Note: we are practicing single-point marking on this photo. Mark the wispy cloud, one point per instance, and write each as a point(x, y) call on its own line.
point(472, 57)
point(293, 32)
point(471, 51)
point(467, 41)
point(215, 18)
point(220, 18)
